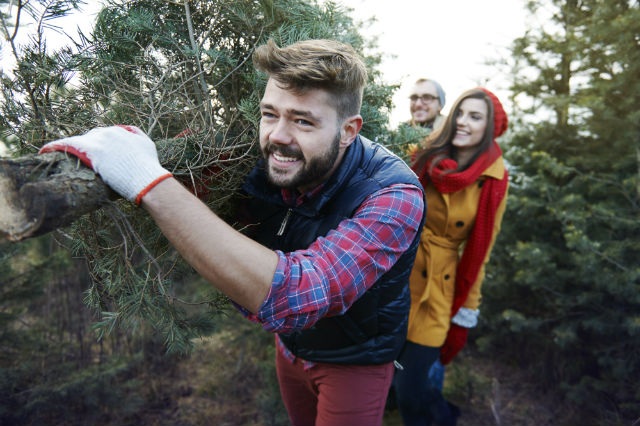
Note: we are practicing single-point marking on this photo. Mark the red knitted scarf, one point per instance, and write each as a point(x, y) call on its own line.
point(493, 191)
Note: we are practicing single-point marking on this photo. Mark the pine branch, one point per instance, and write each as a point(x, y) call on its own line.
point(206, 101)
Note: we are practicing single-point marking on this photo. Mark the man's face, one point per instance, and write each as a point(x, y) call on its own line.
point(424, 102)
point(299, 137)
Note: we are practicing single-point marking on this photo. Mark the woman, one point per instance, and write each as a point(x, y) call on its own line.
point(465, 182)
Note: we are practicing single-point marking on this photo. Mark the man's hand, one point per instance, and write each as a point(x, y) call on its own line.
point(456, 339)
point(123, 156)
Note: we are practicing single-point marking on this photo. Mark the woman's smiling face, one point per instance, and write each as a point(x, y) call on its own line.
point(471, 123)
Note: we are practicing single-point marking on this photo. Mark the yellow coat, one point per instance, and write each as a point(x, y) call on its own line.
point(449, 221)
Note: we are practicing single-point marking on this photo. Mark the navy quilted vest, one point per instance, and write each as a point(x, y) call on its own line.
point(374, 328)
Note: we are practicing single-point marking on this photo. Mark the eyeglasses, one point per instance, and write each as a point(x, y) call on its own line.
point(425, 98)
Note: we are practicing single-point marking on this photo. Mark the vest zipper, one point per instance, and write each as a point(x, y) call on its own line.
point(283, 225)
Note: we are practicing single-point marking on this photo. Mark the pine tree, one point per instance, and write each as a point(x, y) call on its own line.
point(563, 294)
point(181, 71)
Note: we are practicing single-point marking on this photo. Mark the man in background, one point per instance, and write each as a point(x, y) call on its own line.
point(426, 101)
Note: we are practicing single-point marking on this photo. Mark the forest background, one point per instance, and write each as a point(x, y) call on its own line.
point(102, 322)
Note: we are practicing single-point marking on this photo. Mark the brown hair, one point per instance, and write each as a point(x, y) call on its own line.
point(317, 64)
point(437, 146)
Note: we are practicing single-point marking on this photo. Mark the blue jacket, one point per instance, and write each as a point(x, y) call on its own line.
point(374, 328)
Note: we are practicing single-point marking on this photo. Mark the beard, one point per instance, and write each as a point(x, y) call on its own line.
point(313, 169)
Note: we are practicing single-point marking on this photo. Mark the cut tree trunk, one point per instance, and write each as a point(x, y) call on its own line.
point(40, 193)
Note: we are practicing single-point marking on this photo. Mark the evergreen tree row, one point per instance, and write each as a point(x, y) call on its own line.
point(563, 294)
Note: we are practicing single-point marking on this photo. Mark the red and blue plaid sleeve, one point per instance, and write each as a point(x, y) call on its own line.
point(329, 276)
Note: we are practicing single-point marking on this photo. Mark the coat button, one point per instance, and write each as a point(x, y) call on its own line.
point(459, 224)
point(424, 273)
point(447, 276)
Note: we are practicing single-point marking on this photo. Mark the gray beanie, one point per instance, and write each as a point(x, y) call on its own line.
point(440, 91)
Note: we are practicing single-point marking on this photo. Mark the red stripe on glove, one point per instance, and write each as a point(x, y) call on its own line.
point(150, 187)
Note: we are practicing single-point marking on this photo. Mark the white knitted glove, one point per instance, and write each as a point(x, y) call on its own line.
point(123, 156)
point(466, 317)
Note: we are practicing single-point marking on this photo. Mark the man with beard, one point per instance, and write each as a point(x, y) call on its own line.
point(335, 231)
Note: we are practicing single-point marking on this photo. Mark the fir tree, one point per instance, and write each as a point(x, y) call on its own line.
point(181, 71)
point(563, 294)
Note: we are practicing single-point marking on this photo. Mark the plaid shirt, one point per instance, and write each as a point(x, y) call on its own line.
point(329, 276)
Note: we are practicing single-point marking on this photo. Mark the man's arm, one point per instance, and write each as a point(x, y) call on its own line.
point(236, 265)
point(127, 161)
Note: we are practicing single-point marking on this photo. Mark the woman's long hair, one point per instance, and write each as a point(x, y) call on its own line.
point(437, 146)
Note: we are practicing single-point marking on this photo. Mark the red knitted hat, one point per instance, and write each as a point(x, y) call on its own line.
point(500, 121)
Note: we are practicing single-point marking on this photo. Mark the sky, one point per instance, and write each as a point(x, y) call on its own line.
point(446, 40)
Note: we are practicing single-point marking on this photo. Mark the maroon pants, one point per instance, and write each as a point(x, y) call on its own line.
point(332, 394)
